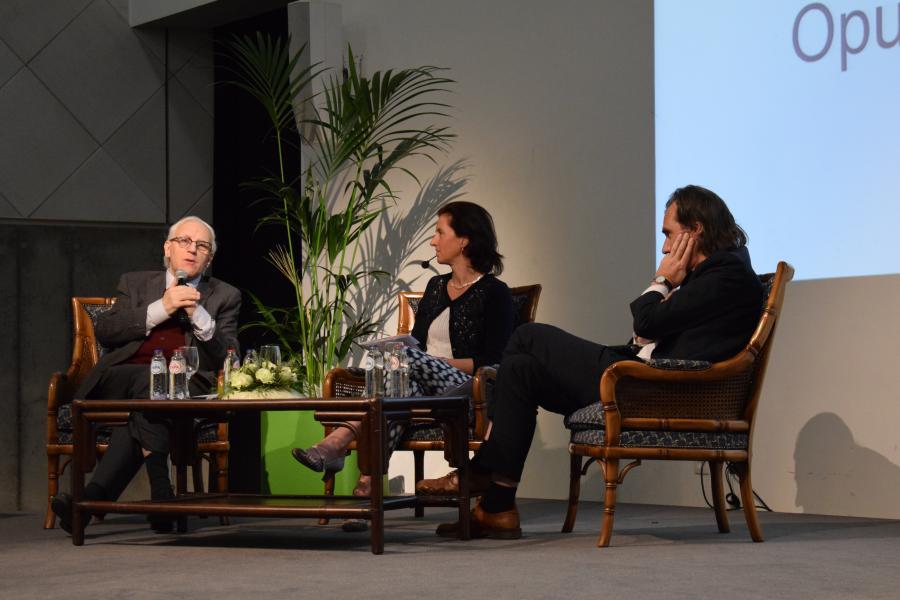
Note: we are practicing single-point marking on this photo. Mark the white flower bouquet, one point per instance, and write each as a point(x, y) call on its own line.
point(263, 378)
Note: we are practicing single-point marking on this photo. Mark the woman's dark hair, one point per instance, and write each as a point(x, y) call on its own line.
point(471, 221)
point(695, 204)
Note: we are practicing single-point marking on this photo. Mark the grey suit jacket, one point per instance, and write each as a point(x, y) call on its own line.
point(123, 328)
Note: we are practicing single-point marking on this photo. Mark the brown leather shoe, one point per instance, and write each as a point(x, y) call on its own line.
point(498, 526)
point(448, 485)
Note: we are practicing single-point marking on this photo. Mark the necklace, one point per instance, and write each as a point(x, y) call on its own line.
point(462, 286)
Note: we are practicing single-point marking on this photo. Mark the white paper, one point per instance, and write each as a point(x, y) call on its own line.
point(379, 344)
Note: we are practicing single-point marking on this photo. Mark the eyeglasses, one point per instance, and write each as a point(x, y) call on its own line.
point(185, 243)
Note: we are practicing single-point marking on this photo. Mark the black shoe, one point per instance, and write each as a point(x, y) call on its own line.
point(61, 505)
point(161, 523)
point(355, 525)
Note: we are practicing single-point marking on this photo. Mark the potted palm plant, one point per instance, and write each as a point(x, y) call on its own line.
point(363, 131)
point(360, 133)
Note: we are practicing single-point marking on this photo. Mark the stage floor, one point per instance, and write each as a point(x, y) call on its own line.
point(656, 552)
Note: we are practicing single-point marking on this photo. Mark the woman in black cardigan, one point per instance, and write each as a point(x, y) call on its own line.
point(462, 322)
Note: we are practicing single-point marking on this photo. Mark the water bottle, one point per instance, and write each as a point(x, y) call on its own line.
point(159, 386)
point(394, 388)
point(232, 363)
point(178, 377)
point(404, 373)
point(373, 363)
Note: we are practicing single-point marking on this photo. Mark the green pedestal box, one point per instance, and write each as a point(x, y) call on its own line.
point(281, 473)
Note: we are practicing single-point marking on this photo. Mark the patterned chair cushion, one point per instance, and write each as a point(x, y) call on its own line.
point(767, 282)
point(94, 311)
point(208, 431)
point(427, 433)
point(667, 439)
point(679, 364)
point(587, 427)
point(519, 301)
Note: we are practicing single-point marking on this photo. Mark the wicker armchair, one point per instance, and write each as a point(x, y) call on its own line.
point(351, 382)
point(212, 438)
point(678, 410)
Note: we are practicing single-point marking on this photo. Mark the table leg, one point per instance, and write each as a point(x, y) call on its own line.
point(377, 427)
point(80, 439)
point(461, 443)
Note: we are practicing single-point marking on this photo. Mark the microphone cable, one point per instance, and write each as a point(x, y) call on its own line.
point(732, 499)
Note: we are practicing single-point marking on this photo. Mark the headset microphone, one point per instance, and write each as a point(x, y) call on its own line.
point(426, 264)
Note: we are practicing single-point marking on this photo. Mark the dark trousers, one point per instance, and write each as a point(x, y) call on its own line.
point(133, 381)
point(124, 456)
point(542, 366)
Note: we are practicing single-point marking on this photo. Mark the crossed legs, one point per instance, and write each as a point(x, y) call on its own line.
point(542, 367)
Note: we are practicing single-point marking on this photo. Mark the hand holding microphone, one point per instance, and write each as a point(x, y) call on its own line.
point(181, 299)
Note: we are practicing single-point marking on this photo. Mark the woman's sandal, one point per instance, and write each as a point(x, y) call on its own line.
point(317, 460)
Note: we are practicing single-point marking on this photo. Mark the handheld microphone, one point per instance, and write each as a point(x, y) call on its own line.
point(181, 314)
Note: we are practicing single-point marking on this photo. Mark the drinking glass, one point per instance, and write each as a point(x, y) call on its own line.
point(191, 361)
point(271, 353)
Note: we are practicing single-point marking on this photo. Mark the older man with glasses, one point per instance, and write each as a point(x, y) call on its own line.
point(180, 306)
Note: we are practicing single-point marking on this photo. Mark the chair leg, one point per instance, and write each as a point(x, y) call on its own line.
point(220, 460)
point(197, 475)
point(574, 492)
point(611, 477)
point(52, 488)
point(718, 494)
point(329, 491)
point(419, 462)
point(749, 502)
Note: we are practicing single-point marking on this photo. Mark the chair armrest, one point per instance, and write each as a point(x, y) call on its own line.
point(634, 391)
point(344, 383)
point(484, 377)
point(634, 369)
point(58, 393)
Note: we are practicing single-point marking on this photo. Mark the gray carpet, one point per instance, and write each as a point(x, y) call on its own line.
point(656, 552)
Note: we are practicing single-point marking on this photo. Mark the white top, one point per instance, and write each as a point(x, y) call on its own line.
point(439, 336)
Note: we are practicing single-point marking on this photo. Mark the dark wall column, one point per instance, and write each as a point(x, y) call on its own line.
point(244, 149)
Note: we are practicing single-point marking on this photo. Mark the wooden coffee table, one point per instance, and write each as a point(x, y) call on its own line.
point(373, 414)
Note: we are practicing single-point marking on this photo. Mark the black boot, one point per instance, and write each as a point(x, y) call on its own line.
point(160, 489)
point(61, 505)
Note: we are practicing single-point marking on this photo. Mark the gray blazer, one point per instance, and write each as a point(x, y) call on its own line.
point(123, 328)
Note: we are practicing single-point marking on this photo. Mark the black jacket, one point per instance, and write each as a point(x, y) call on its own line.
point(711, 316)
point(123, 328)
point(481, 319)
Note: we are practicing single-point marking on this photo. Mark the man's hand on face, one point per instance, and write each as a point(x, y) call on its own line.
point(674, 265)
point(180, 296)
